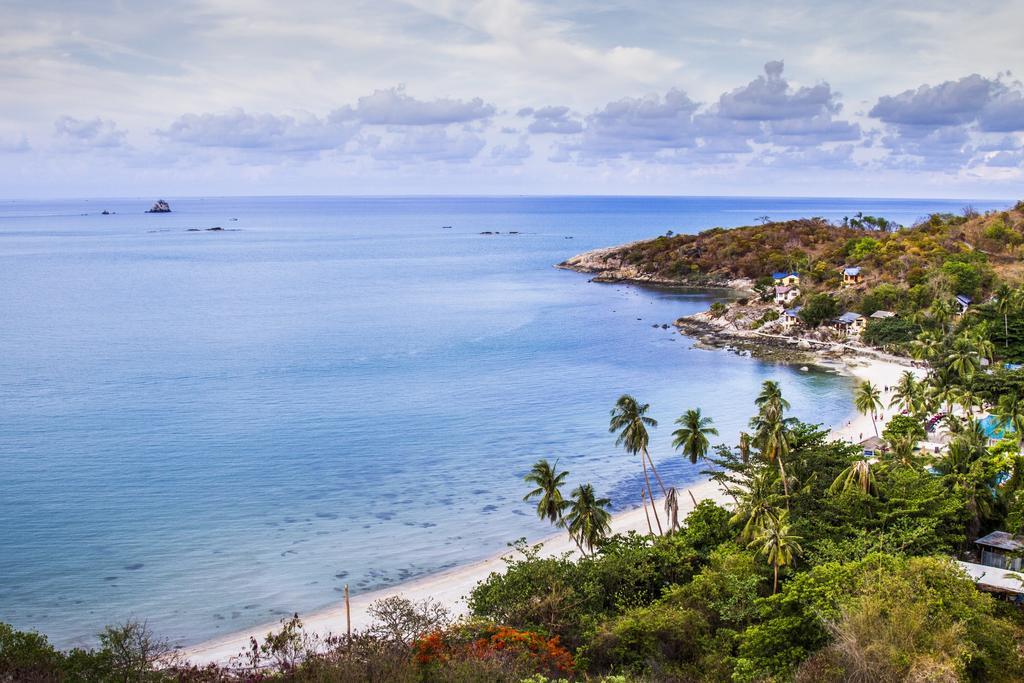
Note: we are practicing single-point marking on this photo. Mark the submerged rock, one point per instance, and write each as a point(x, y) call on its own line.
point(160, 207)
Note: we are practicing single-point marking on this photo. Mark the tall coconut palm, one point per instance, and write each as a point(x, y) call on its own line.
point(588, 517)
point(942, 312)
point(1005, 305)
point(692, 435)
point(629, 421)
point(963, 358)
point(942, 389)
point(908, 394)
point(901, 453)
point(927, 346)
point(858, 475)
point(551, 505)
point(868, 401)
point(779, 545)
point(672, 508)
point(770, 399)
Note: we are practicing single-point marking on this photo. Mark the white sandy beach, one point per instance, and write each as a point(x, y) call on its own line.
point(452, 586)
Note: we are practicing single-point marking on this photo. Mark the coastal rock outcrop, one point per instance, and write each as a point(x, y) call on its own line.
point(160, 207)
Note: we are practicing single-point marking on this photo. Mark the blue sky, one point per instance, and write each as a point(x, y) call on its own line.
point(511, 97)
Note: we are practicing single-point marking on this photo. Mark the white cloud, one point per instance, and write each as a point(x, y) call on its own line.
point(393, 107)
point(82, 134)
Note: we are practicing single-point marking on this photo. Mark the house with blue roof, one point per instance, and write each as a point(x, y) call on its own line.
point(852, 275)
point(849, 323)
point(791, 317)
point(786, 278)
point(964, 302)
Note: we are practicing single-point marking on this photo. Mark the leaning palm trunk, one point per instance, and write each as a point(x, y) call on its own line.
point(643, 497)
point(647, 479)
point(672, 508)
point(657, 476)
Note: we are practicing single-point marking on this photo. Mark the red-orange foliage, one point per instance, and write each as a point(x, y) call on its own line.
point(539, 653)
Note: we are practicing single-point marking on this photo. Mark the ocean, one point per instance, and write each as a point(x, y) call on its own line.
point(212, 429)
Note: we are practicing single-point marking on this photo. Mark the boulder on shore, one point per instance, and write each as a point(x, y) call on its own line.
point(160, 207)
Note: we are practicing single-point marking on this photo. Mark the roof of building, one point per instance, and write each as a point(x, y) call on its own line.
point(879, 315)
point(792, 312)
point(849, 318)
point(993, 577)
point(852, 271)
point(964, 299)
point(1002, 540)
point(873, 443)
point(783, 274)
point(782, 289)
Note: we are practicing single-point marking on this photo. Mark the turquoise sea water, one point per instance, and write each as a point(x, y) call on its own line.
point(212, 429)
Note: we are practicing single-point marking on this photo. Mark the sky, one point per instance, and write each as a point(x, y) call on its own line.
point(262, 97)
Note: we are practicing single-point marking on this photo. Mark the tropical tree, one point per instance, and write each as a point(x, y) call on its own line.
point(779, 545)
point(551, 505)
point(758, 505)
point(942, 312)
point(1010, 411)
point(868, 401)
point(858, 475)
point(588, 517)
point(1005, 305)
point(901, 452)
point(771, 428)
point(629, 421)
point(692, 435)
point(672, 507)
point(927, 346)
point(963, 358)
point(908, 394)
point(770, 399)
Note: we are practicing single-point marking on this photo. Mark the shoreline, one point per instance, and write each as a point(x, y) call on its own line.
point(452, 586)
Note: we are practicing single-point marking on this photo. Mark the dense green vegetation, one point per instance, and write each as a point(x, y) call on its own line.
point(828, 566)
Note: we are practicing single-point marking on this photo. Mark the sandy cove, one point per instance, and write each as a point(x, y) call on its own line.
point(452, 586)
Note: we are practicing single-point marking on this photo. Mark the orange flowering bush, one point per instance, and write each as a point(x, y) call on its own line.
point(527, 649)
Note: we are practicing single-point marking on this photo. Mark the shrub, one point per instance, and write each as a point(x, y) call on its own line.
point(903, 426)
point(890, 331)
point(818, 309)
point(718, 309)
point(647, 637)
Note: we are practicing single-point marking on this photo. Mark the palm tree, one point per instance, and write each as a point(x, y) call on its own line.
point(1005, 305)
point(868, 401)
point(550, 503)
point(964, 359)
point(907, 394)
point(588, 517)
point(858, 475)
point(770, 399)
point(629, 419)
point(778, 544)
point(942, 389)
point(902, 452)
point(692, 435)
point(1010, 411)
point(942, 312)
point(548, 480)
point(672, 508)
point(758, 505)
point(927, 345)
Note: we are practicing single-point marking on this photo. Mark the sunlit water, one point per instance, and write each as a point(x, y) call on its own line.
point(212, 429)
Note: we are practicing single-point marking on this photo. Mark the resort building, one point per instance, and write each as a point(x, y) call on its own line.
point(791, 317)
point(785, 295)
point(882, 315)
point(873, 446)
point(852, 275)
point(786, 278)
point(849, 323)
point(964, 302)
point(1001, 549)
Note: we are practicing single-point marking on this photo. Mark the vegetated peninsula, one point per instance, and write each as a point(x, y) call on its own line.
point(859, 283)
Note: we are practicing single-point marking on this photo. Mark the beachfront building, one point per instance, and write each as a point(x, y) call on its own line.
point(852, 275)
point(873, 446)
point(1001, 549)
point(791, 317)
point(964, 302)
point(882, 315)
point(851, 324)
point(786, 278)
point(786, 294)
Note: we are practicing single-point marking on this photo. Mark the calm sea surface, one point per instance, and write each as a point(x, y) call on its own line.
point(212, 429)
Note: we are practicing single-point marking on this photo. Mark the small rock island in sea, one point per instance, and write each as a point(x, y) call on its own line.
point(160, 207)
